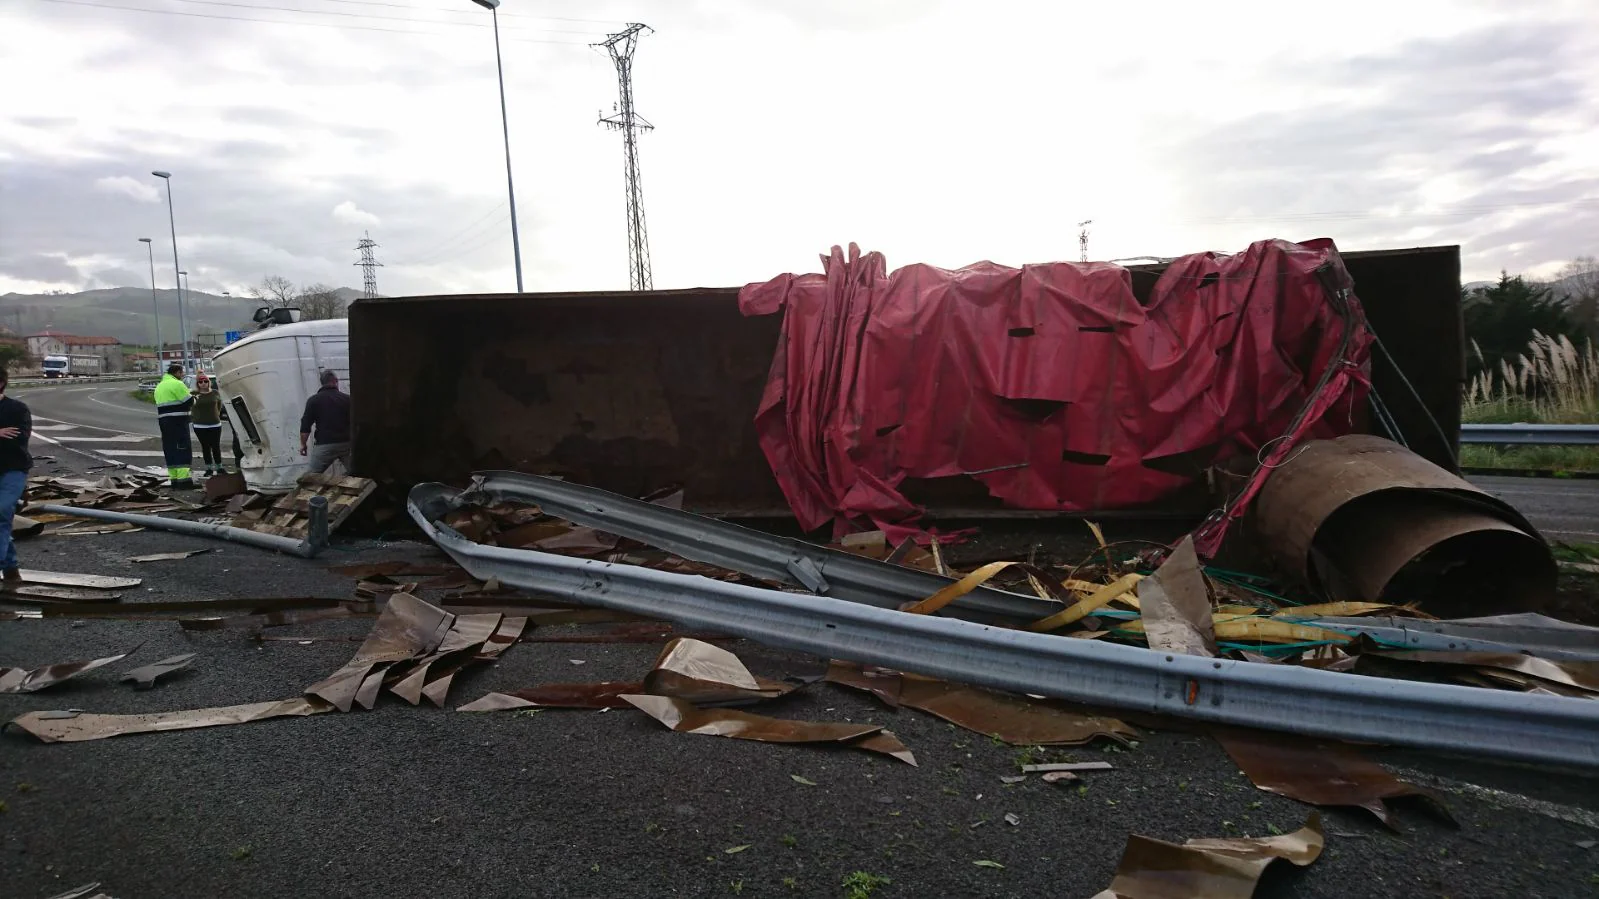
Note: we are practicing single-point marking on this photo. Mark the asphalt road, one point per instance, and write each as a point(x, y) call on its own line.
point(102, 422)
point(1563, 509)
point(104, 406)
point(404, 801)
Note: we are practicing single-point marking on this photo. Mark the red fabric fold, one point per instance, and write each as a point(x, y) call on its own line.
point(1050, 384)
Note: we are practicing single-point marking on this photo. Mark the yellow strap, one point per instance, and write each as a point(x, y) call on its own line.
point(1098, 599)
point(958, 589)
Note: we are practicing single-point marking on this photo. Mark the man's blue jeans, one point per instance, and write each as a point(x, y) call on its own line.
point(12, 483)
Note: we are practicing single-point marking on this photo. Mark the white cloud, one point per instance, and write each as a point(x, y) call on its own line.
point(128, 187)
point(912, 127)
point(351, 214)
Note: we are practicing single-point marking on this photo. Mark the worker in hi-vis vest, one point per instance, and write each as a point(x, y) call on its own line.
point(172, 404)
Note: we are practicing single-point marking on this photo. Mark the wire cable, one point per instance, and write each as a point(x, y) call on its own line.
point(357, 15)
point(197, 15)
point(470, 12)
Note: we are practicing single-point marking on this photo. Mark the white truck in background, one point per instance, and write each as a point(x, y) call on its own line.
point(265, 380)
point(70, 366)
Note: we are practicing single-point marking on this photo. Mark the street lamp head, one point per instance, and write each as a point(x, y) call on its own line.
point(487, 4)
point(162, 174)
point(144, 240)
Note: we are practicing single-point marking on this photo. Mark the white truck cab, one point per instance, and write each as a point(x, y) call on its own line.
point(265, 380)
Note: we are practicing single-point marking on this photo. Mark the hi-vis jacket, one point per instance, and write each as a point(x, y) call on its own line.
point(172, 398)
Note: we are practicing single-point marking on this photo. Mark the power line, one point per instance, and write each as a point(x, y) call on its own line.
point(197, 15)
point(456, 246)
point(468, 12)
point(627, 120)
point(1357, 215)
point(473, 224)
point(358, 15)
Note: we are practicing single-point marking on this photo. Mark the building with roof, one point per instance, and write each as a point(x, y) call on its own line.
point(55, 343)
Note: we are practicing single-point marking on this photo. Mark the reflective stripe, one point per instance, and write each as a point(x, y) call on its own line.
point(206, 427)
point(184, 413)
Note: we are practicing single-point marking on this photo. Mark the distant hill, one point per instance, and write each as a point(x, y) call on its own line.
point(128, 313)
point(1563, 288)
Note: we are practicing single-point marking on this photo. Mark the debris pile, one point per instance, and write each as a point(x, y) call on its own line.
point(1163, 600)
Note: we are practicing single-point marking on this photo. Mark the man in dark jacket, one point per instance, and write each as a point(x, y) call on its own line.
point(16, 426)
point(328, 411)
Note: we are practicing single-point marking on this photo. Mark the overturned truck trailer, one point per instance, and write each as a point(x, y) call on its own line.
point(638, 391)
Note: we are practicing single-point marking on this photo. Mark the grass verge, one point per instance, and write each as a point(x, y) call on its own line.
point(1557, 459)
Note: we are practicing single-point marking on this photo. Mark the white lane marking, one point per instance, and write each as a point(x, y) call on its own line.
point(62, 421)
point(123, 452)
point(120, 438)
point(101, 457)
point(123, 407)
point(1502, 799)
point(38, 428)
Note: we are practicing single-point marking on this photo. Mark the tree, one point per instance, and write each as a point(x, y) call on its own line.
point(276, 291)
point(315, 301)
point(1579, 284)
point(1500, 321)
point(12, 353)
point(319, 301)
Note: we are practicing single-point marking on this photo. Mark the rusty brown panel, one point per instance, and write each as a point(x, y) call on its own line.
point(1412, 302)
point(1361, 517)
point(1320, 772)
point(632, 392)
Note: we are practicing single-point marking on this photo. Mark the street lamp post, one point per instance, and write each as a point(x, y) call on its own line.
point(183, 295)
point(505, 125)
point(183, 318)
point(156, 303)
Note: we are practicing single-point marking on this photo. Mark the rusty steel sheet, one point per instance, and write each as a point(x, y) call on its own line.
point(1017, 720)
point(23, 680)
point(596, 695)
point(684, 717)
point(69, 579)
point(639, 391)
point(1321, 773)
point(509, 631)
point(408, 628)
point(1221, 868)
point(1361, 517)
point(145, 677)
point(687, 669)
point(72, 726)
point(1582, 677)
point(43, 595)
point(1174, 604)
point(467, 633)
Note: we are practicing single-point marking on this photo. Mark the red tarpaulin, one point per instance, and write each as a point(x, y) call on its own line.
point(1050, 384)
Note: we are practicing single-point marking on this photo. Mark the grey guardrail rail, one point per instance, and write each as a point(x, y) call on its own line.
point(1474, 720)
point(1528, 435)
point(827, 572)
point(85, 379)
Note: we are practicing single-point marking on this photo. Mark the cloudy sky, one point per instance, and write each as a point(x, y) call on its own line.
point(942, 132)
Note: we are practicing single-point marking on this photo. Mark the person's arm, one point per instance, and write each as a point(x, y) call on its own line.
point(306, 420)
point(15, 432)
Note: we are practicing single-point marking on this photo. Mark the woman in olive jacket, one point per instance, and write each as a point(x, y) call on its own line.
point(206, 417)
